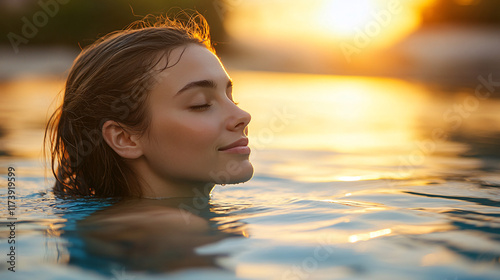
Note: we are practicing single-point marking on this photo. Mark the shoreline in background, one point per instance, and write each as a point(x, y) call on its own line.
point(450, 57)
point(35, 61)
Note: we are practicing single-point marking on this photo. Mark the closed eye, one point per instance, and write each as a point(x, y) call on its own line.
point(200, 107)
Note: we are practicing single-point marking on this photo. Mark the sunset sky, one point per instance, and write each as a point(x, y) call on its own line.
point(357, 23)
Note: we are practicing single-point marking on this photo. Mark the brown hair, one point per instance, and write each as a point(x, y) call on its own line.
point(110, 80)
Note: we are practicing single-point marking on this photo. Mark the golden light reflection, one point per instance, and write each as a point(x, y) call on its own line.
point(331, 231)
point(54, 230)
point(421, 229)
point(363, 206)
point(25, 105)
point(321, 112)
point(369, 235)
point(55, 250)
point(362, 124)
point(349, 178)
point(259, 270)
point(246, 270)
point(297, 234)
point(357, 178)
point(322, 231)
point(439, 258)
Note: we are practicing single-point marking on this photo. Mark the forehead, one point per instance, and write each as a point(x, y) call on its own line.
point(187, 64)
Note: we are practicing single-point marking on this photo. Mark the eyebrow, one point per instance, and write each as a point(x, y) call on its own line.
point(202, 84)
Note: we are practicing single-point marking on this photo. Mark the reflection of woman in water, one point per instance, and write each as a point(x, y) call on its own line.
point(148, 116)
point(149, 235)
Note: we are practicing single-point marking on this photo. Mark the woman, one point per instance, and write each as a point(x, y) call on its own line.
point(148, 116)
point(148, 112)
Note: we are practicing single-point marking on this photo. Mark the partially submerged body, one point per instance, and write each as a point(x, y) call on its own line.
point(150, 235)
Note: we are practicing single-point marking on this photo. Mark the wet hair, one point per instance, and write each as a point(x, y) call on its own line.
point(111, 80)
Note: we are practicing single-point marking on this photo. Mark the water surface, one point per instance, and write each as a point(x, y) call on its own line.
point(355, 178)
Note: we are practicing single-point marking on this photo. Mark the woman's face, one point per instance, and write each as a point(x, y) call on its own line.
point(193, 118)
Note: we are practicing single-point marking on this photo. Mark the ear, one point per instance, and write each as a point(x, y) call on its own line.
point(121, 141)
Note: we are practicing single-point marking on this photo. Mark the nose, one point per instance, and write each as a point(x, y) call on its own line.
point(238, 120)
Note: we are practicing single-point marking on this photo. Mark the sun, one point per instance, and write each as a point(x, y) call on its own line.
point(383, 22)
point(343, 17)
point(324, 23)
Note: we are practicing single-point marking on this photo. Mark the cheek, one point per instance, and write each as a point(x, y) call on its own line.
point(185, 137)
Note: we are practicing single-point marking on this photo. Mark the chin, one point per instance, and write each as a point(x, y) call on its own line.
point(246, 173)
point(245, 177)
point(243, 174)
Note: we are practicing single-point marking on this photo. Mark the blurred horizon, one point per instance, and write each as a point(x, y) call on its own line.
point(375, 126)
point(370, 62)
point(447, 43)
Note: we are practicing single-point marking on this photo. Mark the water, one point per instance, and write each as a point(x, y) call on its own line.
point(355, 178)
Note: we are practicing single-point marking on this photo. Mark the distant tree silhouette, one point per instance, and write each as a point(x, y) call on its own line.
point(80, 23)
point(463, 11)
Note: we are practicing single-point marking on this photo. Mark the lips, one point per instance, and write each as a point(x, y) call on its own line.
point(240, 143)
